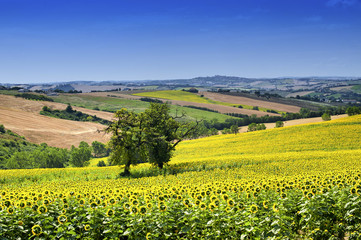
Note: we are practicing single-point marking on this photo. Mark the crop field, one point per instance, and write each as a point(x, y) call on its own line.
point(105, 103)
point(23, 117)
point(215, 99)
point(297, 182)
point(262, 104)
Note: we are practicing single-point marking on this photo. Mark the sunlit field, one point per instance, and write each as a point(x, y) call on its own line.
point(300, 182)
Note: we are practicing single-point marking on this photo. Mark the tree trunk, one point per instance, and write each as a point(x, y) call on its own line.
point(160, 165)
point(127, 169)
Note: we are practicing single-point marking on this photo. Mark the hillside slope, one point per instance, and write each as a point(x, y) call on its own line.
point(22, 117)
point(300, 145)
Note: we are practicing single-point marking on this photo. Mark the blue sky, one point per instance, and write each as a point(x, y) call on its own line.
point(67, 40)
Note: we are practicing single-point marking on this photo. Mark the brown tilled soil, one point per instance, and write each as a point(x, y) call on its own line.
point(251, 102)
point(295, 122)
point(22, 117)
point(219, 108)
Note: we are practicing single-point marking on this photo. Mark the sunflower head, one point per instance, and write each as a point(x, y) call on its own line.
point(87, 227)
point(36, 230)
point(110, 212)
point(42, 209)
point(62, 219)
point(253, 208)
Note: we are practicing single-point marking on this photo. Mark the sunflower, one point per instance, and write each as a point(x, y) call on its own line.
point(202, 206)
point(87, 227)
point(42, 209)
point(22, 204)
point(212, 206)
point(36, 230)
point(62, 219)
point(142, 210)
point(162, 208)
point(253, 208)
point(148, 236)
point(126, 206)
point(10, 210)
point(134, 209)
point(112, 201)
point(240, 205)
point(230, 202)
point(149, 205)
point(225, 197)
point(309, 195)
point(275, 207)
point(186, 202)
point(93, 205)
point(110, 212)
point(283, 195)
point(82, 202)
point(265, 204)
point(213, 198)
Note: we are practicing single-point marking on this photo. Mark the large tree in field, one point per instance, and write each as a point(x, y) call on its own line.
point(150, 136)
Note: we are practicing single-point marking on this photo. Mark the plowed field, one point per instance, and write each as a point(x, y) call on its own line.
point(22, 117)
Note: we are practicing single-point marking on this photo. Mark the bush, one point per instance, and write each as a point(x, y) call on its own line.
point(2, 128)
point(279, 124)
point(353, 111)
point(326, 117)
point(256, 127)
point(101, 163)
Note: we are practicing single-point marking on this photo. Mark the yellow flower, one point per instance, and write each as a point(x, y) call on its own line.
point(275, 207)
point(142, 210)
point(265, 204)
point(42, 209)
point(10, 210)
point(62, 219)
point(230, 202)
point(110, 212)
point(87, 227)
point(36, 230)
point(253, 208)
point(162, 208)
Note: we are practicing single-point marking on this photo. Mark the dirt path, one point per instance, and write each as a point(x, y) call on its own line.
point(295, 122)
point(251, 102)
point(22, 117)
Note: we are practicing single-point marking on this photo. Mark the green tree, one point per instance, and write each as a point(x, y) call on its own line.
point(69, 109)
point(149, 136)
point(234, 129)
point(99, 149)
point(279, 124)
point(2, 128)
point(326, 117)
point(80, 156)
point(256, 127)
point(353, 111)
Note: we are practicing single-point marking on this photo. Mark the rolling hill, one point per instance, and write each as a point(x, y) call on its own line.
point(22, 117)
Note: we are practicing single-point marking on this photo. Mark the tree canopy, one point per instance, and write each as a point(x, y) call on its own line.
point(150, 136)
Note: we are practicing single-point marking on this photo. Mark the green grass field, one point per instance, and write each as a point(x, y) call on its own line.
point(114, 104)
point(356, 89)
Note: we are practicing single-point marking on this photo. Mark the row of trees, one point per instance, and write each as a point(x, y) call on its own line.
point(70, 114)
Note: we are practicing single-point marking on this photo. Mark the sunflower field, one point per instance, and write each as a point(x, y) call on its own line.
point(300, 182)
